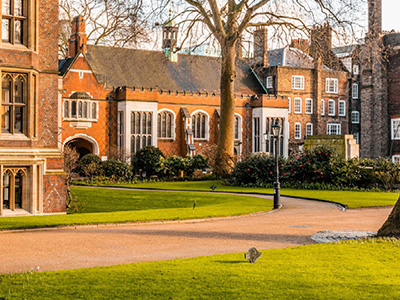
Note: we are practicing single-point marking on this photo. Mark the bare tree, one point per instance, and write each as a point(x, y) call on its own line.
point(71, 158)
point(228, 20)
point(116, 23)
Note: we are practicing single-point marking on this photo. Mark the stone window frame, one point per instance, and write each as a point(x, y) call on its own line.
point(120, 130)
point(169, 128)
point(354, 91)
point(332, 85)
point(309, 129)
point(355, 117)
point(342, 108)
point(298, 105)
point(308, 106)
point(331, 126)
point(356, 136)
point(238, 121)
point(322, 107)
point(92, 115)
point(256, 134)
point(204, 125)
point(13, 172)
point(331, 107)
point(298, 82)
point(141, 133)
point(29, 26)
point(297, 130)
point(396, 159)
point(30, 124)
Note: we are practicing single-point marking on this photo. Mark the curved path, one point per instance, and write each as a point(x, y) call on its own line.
point(70, 248)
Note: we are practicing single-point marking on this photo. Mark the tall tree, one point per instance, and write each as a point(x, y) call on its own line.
point(116, 23)
point(227, 20)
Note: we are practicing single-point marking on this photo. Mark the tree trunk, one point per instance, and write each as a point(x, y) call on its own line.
point(224, 156)
point(392, 224)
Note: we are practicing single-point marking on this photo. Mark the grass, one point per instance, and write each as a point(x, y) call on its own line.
point(365, 269)
point(353, 199)
point(120, 206)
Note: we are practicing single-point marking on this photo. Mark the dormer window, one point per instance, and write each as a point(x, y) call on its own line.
point(270, 82)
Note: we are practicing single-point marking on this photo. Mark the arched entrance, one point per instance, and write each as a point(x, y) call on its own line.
point(83, 145)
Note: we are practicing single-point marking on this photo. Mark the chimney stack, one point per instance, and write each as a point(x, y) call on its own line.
point(321, 42)
point(301, 44)
point(261, 46)
point(374, 17)
point(78, 38)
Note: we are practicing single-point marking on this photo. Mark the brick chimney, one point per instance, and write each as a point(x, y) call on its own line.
point(321, 41)
point(261, 46)
point(374, 17)
point(78, 38)
point(301, 44)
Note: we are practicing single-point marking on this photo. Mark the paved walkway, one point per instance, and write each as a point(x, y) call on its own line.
point(292, 225)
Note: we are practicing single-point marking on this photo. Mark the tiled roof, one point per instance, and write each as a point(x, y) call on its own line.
point(152, 69)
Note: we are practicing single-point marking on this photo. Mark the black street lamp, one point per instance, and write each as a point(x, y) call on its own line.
point(276, 132)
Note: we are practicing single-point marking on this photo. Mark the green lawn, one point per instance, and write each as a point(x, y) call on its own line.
point(365, 269)
point(352, 199)
point(120, 206)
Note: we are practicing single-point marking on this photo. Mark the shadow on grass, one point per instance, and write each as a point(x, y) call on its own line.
point(232, 261)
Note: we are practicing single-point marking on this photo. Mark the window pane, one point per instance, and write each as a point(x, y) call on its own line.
point(18, 190)
point(85, 110)
point(18, 7)
point(94, 111)
point(19, 89)
point(6, 93)
point(164, 125)
point(73, 109)
point(6, 190)
point(18, 31)
point(149, 123)
point(18, 111)
point(137, 124)
point(203, 126)
point(169, 125)
point(5, 34)
point(79, 109)
point(159, 125)
point(236, 137)
point(144, 123)
point(6, 7)
point(137, 143)
point(5, 119)
point(66, 109)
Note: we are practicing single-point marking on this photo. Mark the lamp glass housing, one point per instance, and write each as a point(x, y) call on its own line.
point(276, 129)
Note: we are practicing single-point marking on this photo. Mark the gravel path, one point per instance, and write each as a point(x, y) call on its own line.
point(69, 248)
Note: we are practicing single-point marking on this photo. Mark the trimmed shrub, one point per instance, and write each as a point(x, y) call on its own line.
point(197, 162)
point(171, 166)
point(117, 170)
point(146, 161)
point(89, 166)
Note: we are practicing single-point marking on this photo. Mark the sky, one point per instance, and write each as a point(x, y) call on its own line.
point(390, 11)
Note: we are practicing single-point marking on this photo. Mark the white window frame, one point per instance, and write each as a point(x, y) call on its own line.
point(322, 107)
point(207, 127)
point(269, 82)
point(298, 82)
point(332, 85)
point(357, 137)
point(239, 127)
point(299, 109)
point(356, 69)
point(395, 128)
point(297, 131)
point(396, 159)
point(342, 108)
point(309, 129)
point(355, 117)
point(289, 105)
point(355, 90)
point(309, 106)
point(173, 124)
point(338, 128)
point(331, 112)
point(67, 115)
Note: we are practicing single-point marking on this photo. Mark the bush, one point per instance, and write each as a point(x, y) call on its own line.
point(197, 162)
point(89, 166)
point(117, 170)
point(387, 173)
point(171, 166)
point(146, 161)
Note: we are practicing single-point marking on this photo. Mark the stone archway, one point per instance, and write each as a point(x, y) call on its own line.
point(83, 144)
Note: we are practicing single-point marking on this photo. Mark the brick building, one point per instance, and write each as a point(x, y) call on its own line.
point(119, 100)
point(313, 79)
point(31, 166)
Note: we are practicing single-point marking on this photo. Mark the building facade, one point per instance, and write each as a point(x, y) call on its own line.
point(31, 165)
point(116, 101)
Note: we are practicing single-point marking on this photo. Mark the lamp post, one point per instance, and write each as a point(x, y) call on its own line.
point(276, 132)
